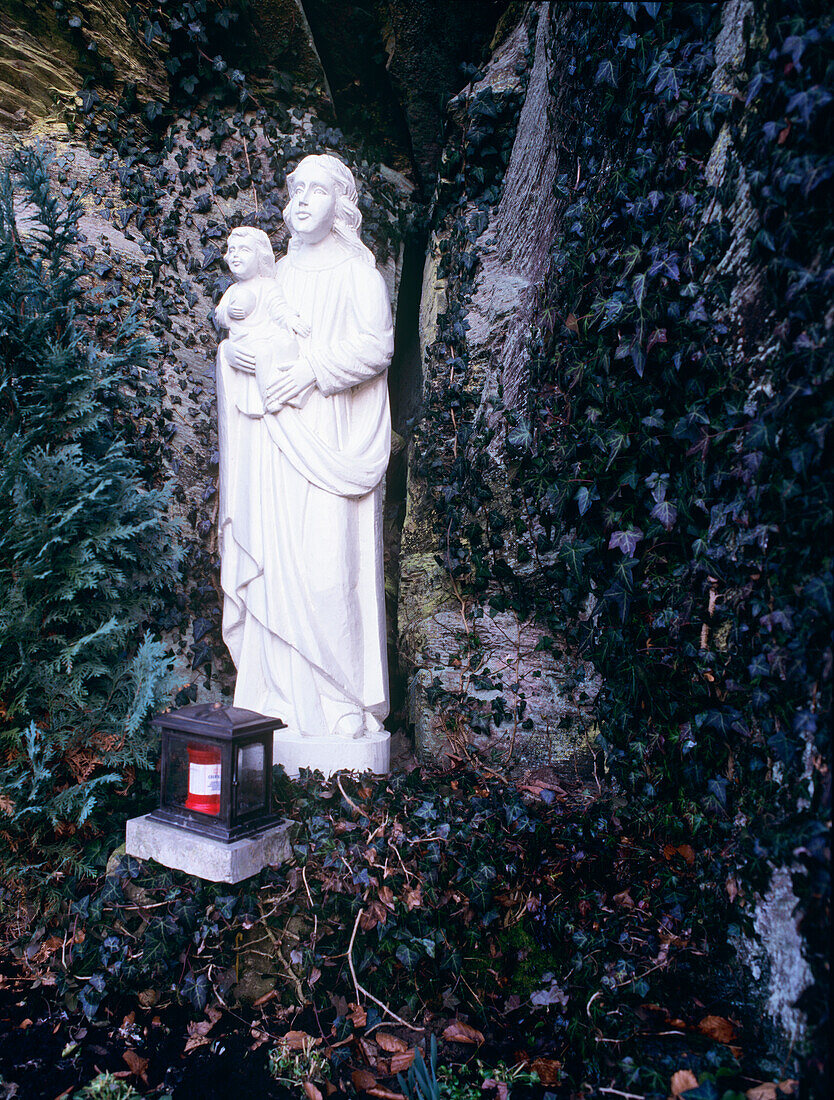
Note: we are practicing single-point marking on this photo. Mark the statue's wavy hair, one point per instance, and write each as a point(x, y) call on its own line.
point(262, 245)
point(348, 219)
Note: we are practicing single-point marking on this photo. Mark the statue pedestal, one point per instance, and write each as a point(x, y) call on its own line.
point(371, 753)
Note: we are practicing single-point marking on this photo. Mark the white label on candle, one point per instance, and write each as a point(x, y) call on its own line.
point(204, 779)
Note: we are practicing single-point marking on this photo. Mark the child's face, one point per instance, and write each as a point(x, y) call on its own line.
point(241, 257)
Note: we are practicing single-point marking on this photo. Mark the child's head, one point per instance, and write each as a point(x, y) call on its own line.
point(249, 253)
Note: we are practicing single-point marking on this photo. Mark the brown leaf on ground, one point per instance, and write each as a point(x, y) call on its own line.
point(624, 899)
point(572, 323)
point(683, 1080)
point(788, 1088)
point(717, 1028)
point(297, 1040)
point(136, 1064)
point(358, 1016)
point(391, 1044)
point(311, 1092)
point(413, 898)
point(400, 1062)
point(386, 896)
point(548, 1069)
point(685, 851)
point(363, 1079)
point(766, 1091)
point(385, 1094)
point(459, 1032)
point(259, 1038)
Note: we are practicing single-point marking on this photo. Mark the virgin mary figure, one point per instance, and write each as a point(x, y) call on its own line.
point(304, 447)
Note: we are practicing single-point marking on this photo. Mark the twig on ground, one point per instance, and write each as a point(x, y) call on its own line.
point(312, 907)
point(361, 989)
point(349, 800)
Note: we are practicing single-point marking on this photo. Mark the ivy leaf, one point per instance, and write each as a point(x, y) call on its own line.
point(666, 512)
point(625, 541)
point(820, 591)
point(638, 288)
point(409, 955)
point(606, 74)
point(573, 554)
point(91, 995)
point(521, 437)
point(585, 498)
point(195, 990)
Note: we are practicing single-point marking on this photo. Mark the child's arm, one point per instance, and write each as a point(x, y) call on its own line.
point(280, 312)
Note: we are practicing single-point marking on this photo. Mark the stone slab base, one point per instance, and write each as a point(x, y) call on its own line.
point(204, 857)
point(328, 755)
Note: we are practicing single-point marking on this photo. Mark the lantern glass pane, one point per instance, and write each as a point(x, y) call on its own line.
point(176, 780)
point(250, 778)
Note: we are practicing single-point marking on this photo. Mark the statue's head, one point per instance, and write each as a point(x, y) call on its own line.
point(246, 240)
point(323, 200)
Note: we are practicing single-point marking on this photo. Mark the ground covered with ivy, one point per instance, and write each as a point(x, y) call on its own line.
point(546, 943)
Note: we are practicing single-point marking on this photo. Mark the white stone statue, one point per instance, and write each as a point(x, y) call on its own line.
point(305, 436)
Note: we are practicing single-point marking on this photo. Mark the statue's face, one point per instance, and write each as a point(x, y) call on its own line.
point(241, 257)
point(313, 203)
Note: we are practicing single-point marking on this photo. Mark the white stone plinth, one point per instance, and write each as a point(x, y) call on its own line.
point(371, 753)
point(203, 856)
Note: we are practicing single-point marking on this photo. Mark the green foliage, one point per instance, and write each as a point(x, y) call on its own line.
point(421, 1083)
point(107, 1087)
point(669, 506)
point(86, 550)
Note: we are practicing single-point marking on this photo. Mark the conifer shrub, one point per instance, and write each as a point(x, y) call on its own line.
point(87, 551)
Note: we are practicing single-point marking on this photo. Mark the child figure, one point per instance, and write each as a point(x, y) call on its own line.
point(255, 311)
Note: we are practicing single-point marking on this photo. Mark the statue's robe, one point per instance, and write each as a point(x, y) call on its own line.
point(301, 494)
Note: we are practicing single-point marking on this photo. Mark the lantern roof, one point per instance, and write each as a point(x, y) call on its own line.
point(217, 721)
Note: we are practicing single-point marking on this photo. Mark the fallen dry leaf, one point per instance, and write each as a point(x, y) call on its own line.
point(196, 1038)
point(685, 851)
point(391, 1044)
point(136, 1064)
point(400, 1062)
point(766, 1091)
point(358, 1016)
point(717, 1028)
point(624, 899)
point(297, 1040)
point(311, 1092)
point(385, 1094)
point(413, 898)
point(571, 323)
point(548, 1069)
point(788, 1088)
point(683, 1080)
point(363, 1079)
point(459, 1032)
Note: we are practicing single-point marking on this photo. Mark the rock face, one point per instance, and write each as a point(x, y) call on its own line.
point(476, 672)
point(160, 199)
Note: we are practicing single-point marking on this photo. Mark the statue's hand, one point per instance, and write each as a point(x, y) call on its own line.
point(239, 358)
point(288, 384)
point(236, 312)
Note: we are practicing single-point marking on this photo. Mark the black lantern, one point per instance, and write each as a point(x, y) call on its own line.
point(216, 770)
